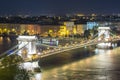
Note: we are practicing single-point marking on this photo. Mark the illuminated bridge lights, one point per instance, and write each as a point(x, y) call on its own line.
point(28, 45)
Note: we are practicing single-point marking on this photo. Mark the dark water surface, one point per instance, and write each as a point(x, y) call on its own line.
point(6, 43)
point(101, 65)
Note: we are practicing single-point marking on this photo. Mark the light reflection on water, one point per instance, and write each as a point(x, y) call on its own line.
point(94, 67)
point(5, 44)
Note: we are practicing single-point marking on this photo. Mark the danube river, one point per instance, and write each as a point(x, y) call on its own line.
point(79, 64)
point(83, 65)
point(6, 43)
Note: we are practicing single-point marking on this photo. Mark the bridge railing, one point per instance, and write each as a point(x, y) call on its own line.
point(11, 51)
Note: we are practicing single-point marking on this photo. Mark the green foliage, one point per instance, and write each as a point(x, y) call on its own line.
point(8, 73)
point(9, 68)
point(22, 74)
point(87, 34)
point(11, 60)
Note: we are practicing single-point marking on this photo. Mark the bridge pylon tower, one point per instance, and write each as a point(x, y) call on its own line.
point(103, 33)
point(27, 46)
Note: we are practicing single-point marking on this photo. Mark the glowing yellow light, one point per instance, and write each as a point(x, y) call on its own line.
point(50, 31)
point(13, 30)
point(8, 31)
point(63, 30)
point(0, 30)
point(28, 31)
point(32, 31)
point(67, 32)
point(5, 30)
point(74, 30)
point(65, 23)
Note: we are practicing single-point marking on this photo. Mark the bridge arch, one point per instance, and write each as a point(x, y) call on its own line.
point(103, 33)
point(27, 46)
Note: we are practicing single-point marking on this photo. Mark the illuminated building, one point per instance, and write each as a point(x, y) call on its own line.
point(52, 29)
point(80, 28)
point(31, 29)
point(93, 17)
point(63, 30)
point(74, 30)
point(90, 25)
point(80, 15)
point(20, 28)
point(69, 26)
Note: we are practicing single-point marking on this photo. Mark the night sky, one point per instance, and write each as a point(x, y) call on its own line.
point(58, 7)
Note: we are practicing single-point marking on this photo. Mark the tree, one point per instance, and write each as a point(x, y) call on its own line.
point(87, 33)
point(22, 74)
point(9, 68)
point(11, 60)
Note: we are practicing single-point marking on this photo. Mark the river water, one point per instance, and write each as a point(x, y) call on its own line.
point(6, 43)
point(102, 65)
point(79, 64)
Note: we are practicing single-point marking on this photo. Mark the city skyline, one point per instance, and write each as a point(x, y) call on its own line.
point(58, 7)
